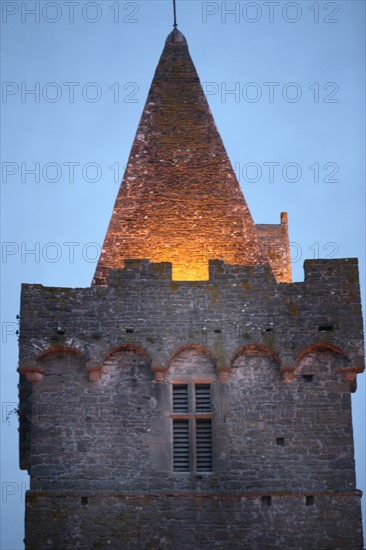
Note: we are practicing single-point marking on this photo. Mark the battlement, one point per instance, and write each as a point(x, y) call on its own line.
point(238, 306)
point(144, 270)
point(344, 270)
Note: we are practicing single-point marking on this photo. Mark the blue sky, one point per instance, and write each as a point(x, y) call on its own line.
point(293, 126)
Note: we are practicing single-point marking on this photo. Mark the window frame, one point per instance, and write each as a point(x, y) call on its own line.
point(192, 415)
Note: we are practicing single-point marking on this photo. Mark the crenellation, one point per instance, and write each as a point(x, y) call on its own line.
point(269, 314)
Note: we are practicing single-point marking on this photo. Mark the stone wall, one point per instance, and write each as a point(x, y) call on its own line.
point(97, 367)
point(276, 244)
point(118, 430)
point(186, 522)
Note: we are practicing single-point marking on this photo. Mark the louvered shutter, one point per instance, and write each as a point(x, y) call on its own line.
point(203, 397)
point(181, 445)
point(203, 445)
point(180, 398)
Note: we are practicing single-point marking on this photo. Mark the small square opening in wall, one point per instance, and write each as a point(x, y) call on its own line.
point(280, 441)
point(266, 500)
point(308, 377)
point(84, 501)
point(269, 329)
point(129, 330)
point(309, 500)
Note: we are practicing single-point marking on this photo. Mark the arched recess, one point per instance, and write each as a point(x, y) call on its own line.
point(61, 350)
point(320, 346)
point(126, 388)
point(52, 407)
point(126, 364)
point(127, 347)
point(321, 359)
point(61, 361)
point(192, 361)
point(255, 366)
point(255, 350)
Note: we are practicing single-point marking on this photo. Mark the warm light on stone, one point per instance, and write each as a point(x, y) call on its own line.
point(186, 207)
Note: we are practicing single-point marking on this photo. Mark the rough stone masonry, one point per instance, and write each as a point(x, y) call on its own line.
point(190, 399)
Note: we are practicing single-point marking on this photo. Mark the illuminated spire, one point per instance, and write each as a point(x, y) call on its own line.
point(179, 200)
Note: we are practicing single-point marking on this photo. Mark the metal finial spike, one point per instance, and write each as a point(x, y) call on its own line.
point(175, 25)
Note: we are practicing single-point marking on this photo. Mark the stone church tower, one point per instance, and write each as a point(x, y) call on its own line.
point(193, 397)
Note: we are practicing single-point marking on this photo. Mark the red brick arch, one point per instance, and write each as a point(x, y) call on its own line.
point(194, 347)
point(127, 347)
point(255, 347)
point(58, 349)
point(320, 346)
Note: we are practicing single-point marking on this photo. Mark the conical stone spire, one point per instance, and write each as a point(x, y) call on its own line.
point(179, 199)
